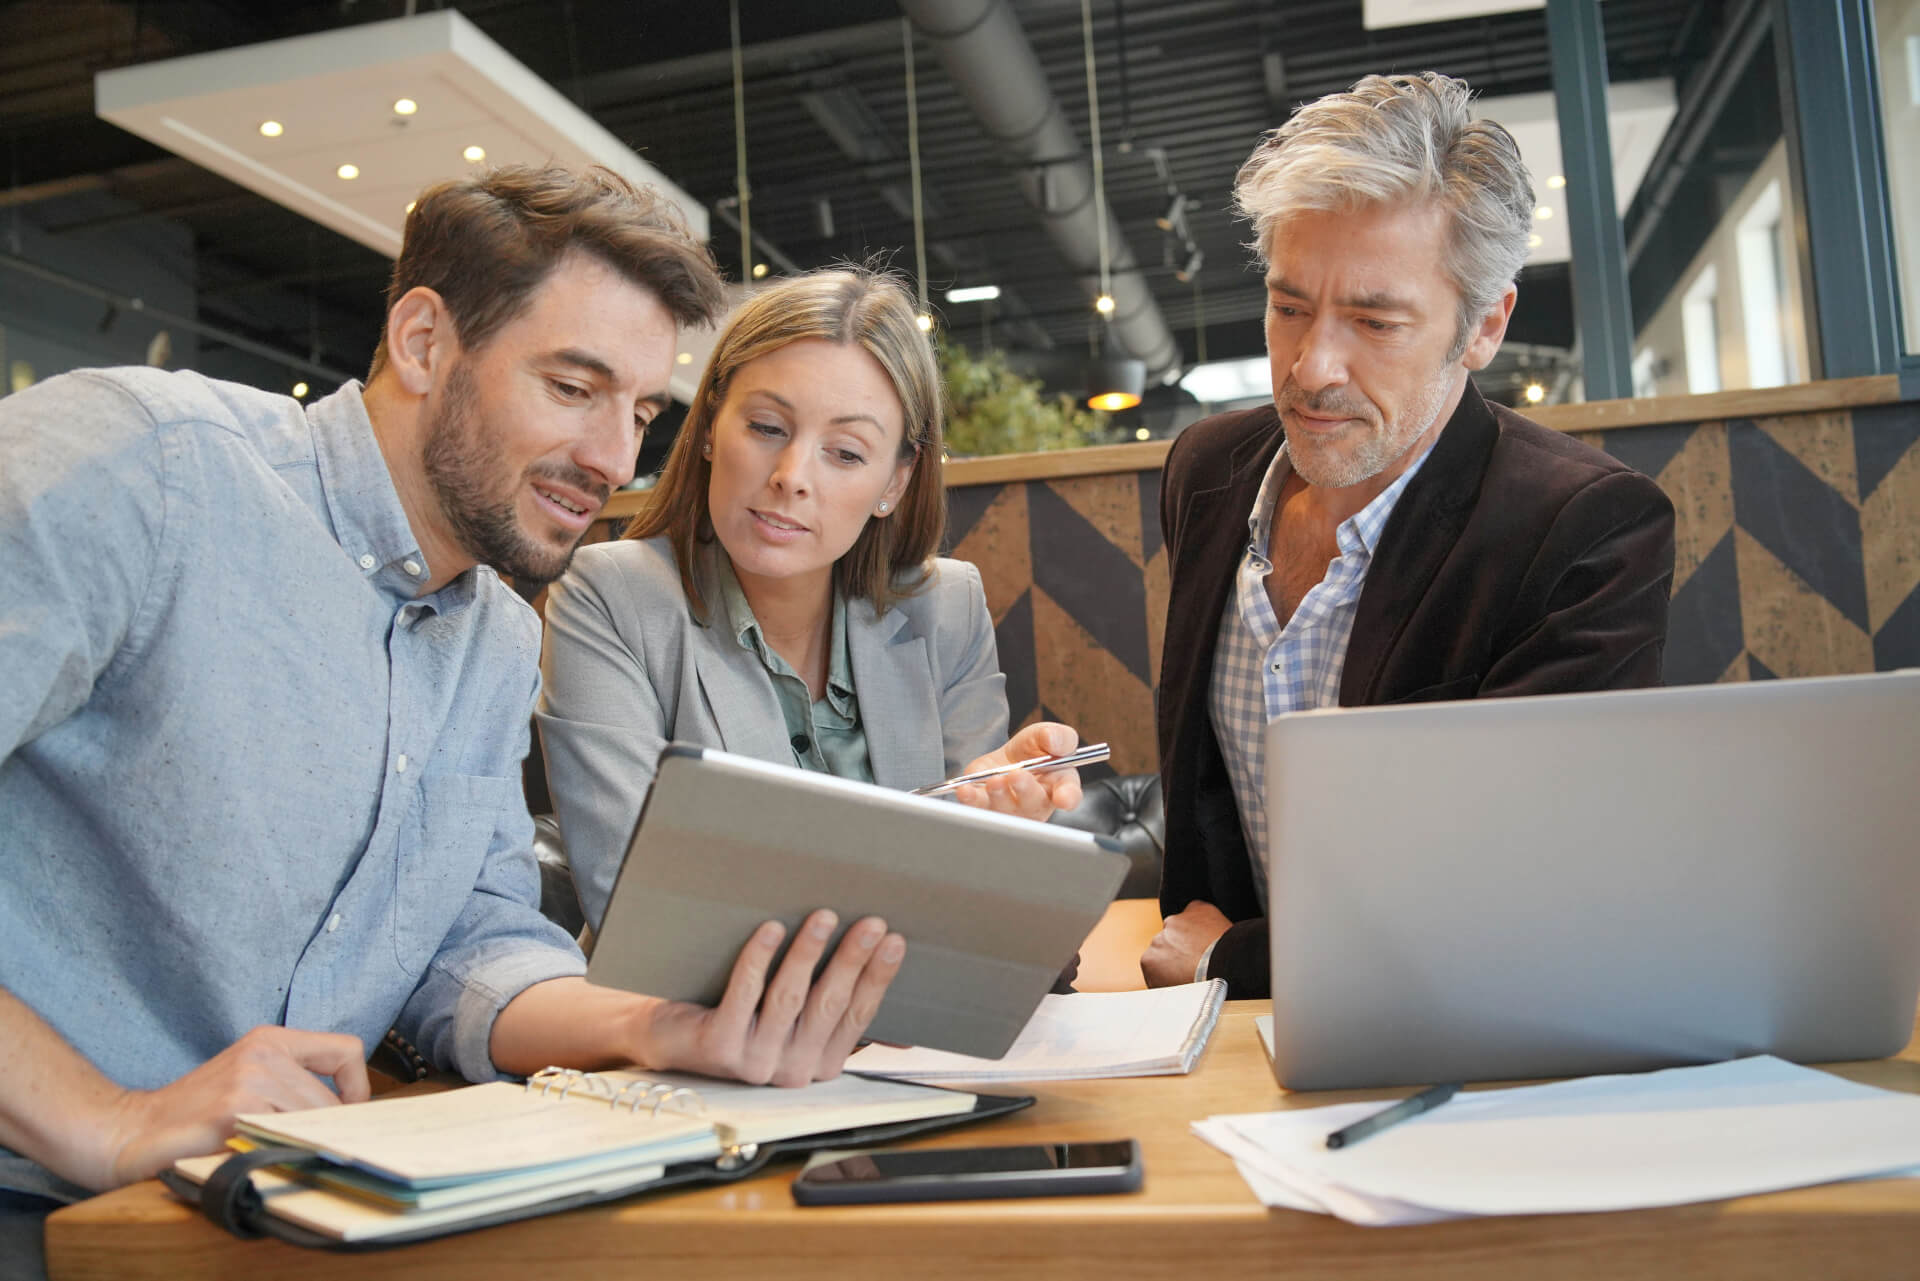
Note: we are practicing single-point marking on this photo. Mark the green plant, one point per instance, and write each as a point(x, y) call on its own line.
point(993, 410)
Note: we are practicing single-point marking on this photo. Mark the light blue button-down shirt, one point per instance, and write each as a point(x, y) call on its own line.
point(246, 777)
point(1261, 669)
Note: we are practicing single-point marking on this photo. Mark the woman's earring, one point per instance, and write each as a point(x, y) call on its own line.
point(884, 507)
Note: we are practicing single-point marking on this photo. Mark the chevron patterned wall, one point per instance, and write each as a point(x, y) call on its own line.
point(1798, 554)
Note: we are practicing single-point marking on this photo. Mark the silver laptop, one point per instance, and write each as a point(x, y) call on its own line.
point(1595, 882)
point(992, 906)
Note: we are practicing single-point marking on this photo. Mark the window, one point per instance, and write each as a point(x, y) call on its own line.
point(1700, 322)
point(1897, 28)
point(1763, 291)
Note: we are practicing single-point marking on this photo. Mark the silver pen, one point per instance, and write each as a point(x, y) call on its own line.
point(1086, 755)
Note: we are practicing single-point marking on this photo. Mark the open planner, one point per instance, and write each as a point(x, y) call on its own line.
point(409, 1168)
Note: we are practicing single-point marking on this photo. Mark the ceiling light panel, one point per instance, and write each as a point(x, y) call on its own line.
point(333, 93)
point(1375, 14)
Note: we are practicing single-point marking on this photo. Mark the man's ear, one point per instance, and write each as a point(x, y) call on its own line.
point(1484, 345)
point(419, 338)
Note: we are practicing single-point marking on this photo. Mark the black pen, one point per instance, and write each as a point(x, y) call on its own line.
point(1406, 1109)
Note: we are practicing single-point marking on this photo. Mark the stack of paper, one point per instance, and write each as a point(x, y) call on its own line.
point(1596, 1143)
point(1077, 1037)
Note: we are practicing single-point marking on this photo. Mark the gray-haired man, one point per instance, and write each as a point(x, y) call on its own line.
point(1381, 533)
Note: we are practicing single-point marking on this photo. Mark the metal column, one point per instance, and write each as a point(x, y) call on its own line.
point(1579, 56)
point(1827, 78)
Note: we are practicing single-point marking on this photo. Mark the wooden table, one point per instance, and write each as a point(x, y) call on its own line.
point(1195, 1218)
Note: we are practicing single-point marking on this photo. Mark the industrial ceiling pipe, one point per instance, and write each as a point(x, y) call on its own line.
point(987, 56)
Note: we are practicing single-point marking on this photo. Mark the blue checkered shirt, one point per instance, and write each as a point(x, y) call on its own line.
point(1261, 669)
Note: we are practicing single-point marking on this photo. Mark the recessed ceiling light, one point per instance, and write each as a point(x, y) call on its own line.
point(299, 390)
point(475, 154)
point(684, 358)
point(348, 172)
point(1104, 304)
point(405, 106)
point(1544, 212)
point(1536, 240)
point(1557, 181)
point(271, 129)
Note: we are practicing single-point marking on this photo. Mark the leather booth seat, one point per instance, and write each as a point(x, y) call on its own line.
point(1126, 807)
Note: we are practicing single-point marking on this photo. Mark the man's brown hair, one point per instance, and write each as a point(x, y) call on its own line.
point(484, 244)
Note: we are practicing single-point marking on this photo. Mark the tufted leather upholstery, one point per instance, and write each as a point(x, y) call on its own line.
point(1126, 807)
point(558, 902)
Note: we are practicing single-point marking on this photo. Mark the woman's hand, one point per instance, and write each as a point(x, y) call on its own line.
point(1024, 792)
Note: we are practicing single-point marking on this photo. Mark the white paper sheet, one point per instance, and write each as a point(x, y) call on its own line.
point(1596, 1143)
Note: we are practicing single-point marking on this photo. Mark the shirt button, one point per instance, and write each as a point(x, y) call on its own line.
point(400, 764)
point(800, 743)
point(412, 567)
point(1274, 668)
point(366, 562)
point(333, 922)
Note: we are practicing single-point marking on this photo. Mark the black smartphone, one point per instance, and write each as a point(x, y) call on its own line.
point(966, 1174)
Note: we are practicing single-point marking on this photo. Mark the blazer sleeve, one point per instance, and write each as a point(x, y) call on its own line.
point(1593, 604)
point(973, 693)
point(601, 721)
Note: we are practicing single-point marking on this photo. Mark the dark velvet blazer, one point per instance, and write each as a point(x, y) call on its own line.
point(1518, 561)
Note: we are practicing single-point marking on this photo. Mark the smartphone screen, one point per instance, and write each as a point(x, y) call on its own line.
point(1039, 1169)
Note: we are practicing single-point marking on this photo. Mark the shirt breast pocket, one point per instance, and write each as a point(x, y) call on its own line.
point(455, 817)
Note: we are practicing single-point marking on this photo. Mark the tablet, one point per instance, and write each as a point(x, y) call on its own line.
point(992, 907)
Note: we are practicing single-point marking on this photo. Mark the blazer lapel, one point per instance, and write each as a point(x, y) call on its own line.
point(739, 696)
point(1213, 529)
point(899, 707)
point(1421, 533)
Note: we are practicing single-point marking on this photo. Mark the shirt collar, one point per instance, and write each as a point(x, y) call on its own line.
point(368, 520)
point(746, 630)
point(1360, 530)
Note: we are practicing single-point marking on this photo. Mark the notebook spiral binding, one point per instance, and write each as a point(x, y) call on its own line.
point(656, 1097)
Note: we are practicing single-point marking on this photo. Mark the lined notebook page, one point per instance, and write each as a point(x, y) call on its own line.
point(476, 1131)
point(1083, 1036)
point(480, 1131)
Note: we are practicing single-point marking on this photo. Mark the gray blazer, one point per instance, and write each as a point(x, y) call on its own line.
point(627, 670)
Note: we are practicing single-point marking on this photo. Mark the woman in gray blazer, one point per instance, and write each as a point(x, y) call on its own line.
point(780, 597)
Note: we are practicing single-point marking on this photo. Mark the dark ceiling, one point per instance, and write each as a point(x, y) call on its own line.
point(1186, 88)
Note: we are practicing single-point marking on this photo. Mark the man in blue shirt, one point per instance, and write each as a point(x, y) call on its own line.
point(266, 700)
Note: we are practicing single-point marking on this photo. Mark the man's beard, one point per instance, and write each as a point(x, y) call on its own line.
point(464, 462)
point(1338, 464)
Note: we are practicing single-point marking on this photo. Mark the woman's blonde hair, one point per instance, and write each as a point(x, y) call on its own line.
point(851, 305)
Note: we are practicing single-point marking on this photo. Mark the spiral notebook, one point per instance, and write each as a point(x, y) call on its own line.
point(403, 1169)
